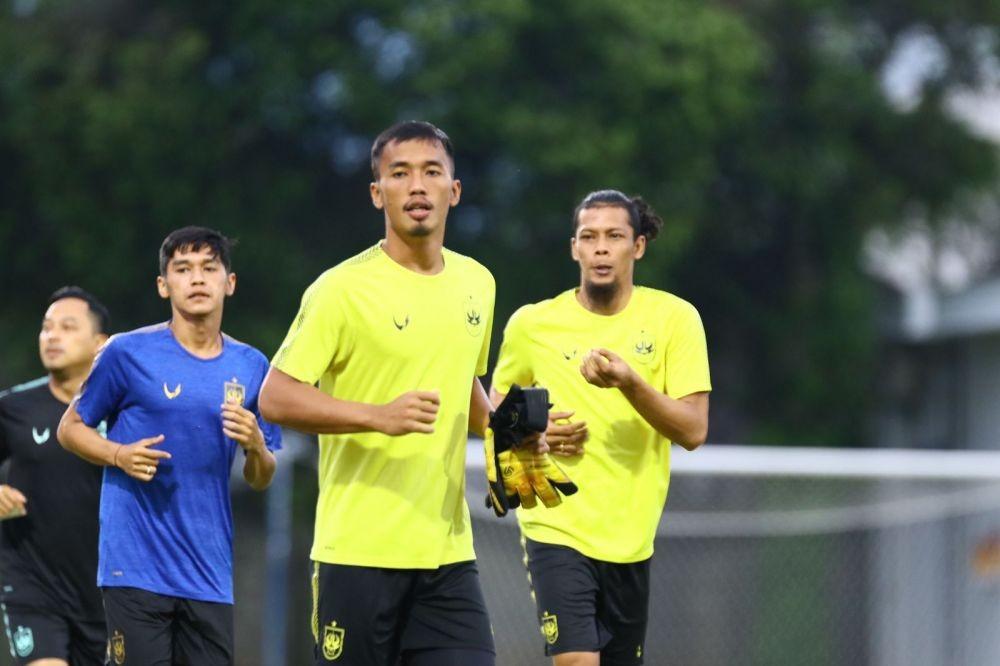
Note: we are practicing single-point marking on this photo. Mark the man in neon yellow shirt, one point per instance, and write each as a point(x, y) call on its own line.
point(627, 371)
point(396, 338)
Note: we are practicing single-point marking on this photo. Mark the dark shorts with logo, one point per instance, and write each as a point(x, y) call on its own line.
point(371, 616)
point(39, 633)
point(148, 629)
point(587, 605)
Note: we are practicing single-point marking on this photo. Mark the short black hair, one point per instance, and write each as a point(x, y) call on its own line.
point(410, 130)
point(194, 239)
point(641, 216)
point(99, 313)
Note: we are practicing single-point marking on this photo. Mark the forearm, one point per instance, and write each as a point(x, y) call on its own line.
point(258, 468)
point(479, 409)
point(288, 402)
point(77, 437)
point(681, 421)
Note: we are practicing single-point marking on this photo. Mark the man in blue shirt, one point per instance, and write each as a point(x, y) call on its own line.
point(179, 398)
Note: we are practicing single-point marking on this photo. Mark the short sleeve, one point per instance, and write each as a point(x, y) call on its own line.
point(513, 365)
point(272, 432)
point(104, 389)
point(686, 355)
point(484, 352)
point(312, 339)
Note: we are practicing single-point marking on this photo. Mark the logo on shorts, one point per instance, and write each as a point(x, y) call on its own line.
point(235, 392)
point(24, 641)
point(333, 641)
point(171, 394)
point(40, 437)
point(118, 647)
point(550, 628)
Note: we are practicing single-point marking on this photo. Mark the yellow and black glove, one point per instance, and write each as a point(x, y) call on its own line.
point(546, 478)
point(516, 476)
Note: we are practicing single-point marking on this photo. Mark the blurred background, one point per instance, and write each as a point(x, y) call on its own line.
point(827, 170)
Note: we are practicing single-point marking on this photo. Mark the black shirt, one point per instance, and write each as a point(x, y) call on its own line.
point(48, 558)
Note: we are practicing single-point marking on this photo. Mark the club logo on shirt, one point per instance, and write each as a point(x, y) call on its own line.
point(235, 392)
point(550, 628)
point(171, 394)
point(333, 641)
point(24, 641)
point(118, 647)
point(400, 319)
point(473, 311)
point(644, 347)
point(569, 354)
point(40, 437)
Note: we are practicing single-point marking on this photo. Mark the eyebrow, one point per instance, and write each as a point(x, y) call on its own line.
point(175, 262)
point(402, 163)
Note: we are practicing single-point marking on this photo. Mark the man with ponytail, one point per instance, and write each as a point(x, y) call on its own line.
point(626, 367)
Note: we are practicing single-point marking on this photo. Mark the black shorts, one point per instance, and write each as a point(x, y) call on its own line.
point(38, 633)
point(148, 629)
point(371, 616)
point(586, 605)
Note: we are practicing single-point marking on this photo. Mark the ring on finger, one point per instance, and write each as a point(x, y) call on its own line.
point(150, 469)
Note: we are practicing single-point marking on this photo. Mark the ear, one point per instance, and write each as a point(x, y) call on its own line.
point(376, 193)
point(456, 193)
point(573, 252)
point(640, 248)
point(161, 287)
point(230, 284)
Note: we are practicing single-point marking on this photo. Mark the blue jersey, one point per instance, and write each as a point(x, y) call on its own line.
point(174, 534)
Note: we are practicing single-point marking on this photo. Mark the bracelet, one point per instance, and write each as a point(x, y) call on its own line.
point(114, 461)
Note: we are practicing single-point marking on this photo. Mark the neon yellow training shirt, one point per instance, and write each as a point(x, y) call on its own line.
point(369, 330)
point(624, 470)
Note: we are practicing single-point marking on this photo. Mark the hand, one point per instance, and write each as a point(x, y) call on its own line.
point(12, 502)
point(240, 425)
point(138, 460)
point(534, 442)
point(605, 369)
point(566, 438)
point(414, 411)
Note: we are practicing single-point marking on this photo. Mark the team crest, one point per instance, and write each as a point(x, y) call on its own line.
point(473, 312)
point(236, 393)
point(171, 394)
point(644, 347)
point(550, 628)
point(400, 319)
point(118, 647)
point(333, 641)
point(24, 641)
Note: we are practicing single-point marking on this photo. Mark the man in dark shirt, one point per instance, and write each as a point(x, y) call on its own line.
point(48, 535)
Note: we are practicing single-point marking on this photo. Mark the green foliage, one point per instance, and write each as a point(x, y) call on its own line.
point(758, 130)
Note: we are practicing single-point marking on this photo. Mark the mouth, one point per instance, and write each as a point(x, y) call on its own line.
point(53, 352)
point(603, 270)
point(418, 210)
point(198, 295)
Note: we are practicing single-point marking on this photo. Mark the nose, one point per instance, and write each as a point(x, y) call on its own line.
point(417, 184)
point(197, 276)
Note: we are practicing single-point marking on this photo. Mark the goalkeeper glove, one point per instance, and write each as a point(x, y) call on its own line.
point(515, 476)
point(546, 478)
